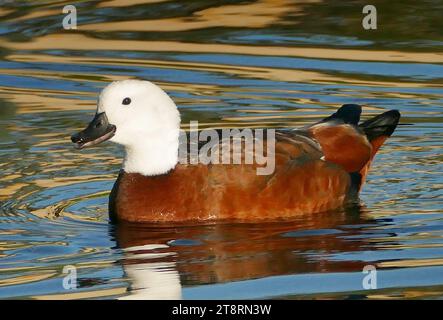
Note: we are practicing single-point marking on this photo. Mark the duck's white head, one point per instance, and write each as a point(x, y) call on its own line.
point(140, 116)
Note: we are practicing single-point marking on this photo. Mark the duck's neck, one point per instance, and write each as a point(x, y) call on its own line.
point(152, 156)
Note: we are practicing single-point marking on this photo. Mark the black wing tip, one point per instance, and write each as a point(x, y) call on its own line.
point(350, 107)
point(394, 114)
point(347, 113)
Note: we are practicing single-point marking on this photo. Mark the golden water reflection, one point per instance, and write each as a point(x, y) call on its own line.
point(82, 42)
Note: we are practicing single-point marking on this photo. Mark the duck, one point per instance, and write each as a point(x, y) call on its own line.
point(320, 167)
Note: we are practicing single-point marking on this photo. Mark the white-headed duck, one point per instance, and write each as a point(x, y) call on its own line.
point(317, 168)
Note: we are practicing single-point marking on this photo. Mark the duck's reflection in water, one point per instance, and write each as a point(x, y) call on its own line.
point(159, 260)
point(151, 280)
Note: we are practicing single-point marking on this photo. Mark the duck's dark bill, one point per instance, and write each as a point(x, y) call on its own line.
point(97, 131)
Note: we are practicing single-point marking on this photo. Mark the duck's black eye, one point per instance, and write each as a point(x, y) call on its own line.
point(126, 101)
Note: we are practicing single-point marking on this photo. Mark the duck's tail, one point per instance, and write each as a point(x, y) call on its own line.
point(377, 130)
point(352, 145)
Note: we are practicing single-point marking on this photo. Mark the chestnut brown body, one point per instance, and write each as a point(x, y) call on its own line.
point(318, 168)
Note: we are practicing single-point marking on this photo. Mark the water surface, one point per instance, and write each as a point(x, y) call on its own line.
point(226, 64)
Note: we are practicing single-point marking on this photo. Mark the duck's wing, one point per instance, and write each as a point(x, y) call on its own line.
point(285, 144)
point(297, 145)
point(337, 139)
